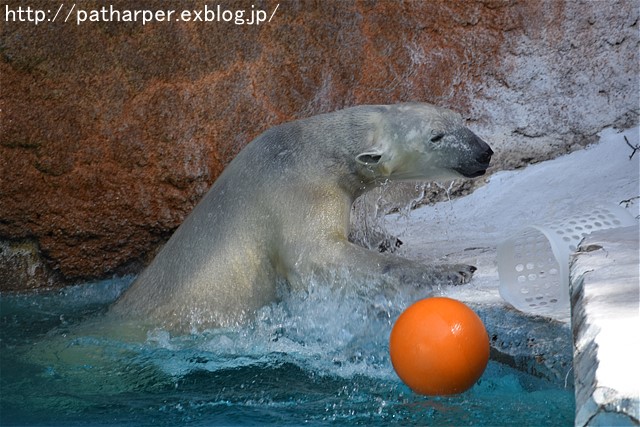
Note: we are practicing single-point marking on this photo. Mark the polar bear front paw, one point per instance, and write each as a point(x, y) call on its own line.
point(458, 274)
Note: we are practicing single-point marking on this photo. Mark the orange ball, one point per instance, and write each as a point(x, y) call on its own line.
point(439, 346)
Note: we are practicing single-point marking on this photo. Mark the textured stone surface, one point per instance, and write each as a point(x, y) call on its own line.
point(111, 132)
point(605, 290)
point(23, 267)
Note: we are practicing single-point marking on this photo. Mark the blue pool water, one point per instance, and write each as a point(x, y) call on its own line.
point(318, 358)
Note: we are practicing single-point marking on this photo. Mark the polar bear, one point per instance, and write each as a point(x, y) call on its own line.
point(279, 214)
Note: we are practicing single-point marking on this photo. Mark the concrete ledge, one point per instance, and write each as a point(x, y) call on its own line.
point(605, 297)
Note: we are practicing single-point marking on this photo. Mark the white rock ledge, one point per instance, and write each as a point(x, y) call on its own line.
point(605, 297)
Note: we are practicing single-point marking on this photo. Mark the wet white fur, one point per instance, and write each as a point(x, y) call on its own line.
point(279, 213)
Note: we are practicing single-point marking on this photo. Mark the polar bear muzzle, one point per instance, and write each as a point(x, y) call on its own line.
point(475, 160)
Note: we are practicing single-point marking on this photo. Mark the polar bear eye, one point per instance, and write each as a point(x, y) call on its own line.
point(437, 137)
point(369, 158)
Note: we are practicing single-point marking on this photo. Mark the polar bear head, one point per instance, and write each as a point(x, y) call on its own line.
point(421, 142)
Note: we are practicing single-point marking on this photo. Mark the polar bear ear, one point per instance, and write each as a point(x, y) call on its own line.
point(369, 158)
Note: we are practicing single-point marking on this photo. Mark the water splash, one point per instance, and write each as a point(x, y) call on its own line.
point(319, 356)
point(331, 331)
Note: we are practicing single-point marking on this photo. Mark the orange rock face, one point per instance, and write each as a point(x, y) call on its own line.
point(110, 132)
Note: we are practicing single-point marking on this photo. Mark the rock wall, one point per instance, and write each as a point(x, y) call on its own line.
point(110, 132)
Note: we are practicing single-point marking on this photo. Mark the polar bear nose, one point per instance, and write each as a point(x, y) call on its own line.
point(486, 156)
point(477, 164)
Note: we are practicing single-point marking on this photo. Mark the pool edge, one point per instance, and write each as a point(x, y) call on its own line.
point(605, 291)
